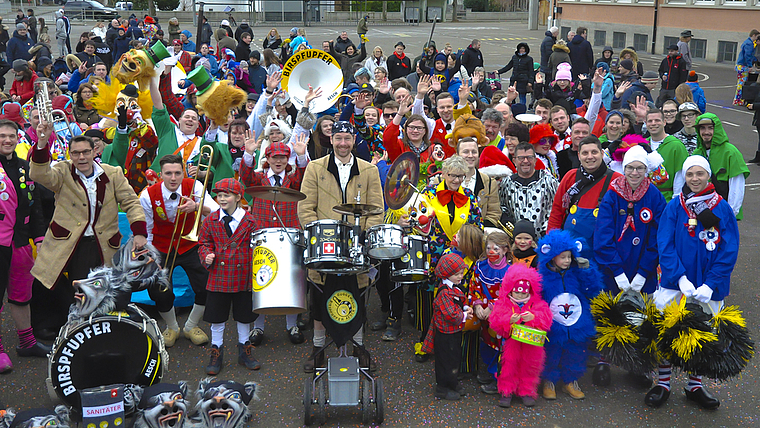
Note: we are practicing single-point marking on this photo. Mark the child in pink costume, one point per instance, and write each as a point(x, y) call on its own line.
point(521, 363)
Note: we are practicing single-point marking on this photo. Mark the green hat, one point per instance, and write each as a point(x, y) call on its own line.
point(201, 79)
point(157, 52)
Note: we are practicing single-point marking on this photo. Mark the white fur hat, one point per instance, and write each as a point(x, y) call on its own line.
point(279, 124)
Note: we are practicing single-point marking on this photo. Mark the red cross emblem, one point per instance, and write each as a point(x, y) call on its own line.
point(328, 248)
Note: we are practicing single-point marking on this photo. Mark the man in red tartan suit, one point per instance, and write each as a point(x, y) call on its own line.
point(164, 203)
point(277, 172)
point(224, 247)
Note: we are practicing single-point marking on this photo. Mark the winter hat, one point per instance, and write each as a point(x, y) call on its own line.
point(687, 106)
point(673, 47)
point(253, 96)
point(635, 153)
point(518, 108)
point(277, 149)
point(614, 113)
point(650, 77)
point(564, 72)
point(281, 125)
point(12, 111)
point(696, 160)
point(43, 62)
point(524, 226)
point(448, 265)
point(693, 77)
point(494, 163)
point(556, 242)
point(255, 54)
point(243, 64)
point(20, 65)
point(521, 278)
point(604, 66)
point(627, 64)
point(20, 26)
point(96, 133)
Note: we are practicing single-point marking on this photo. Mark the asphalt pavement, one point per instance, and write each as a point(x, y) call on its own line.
point(409, 385)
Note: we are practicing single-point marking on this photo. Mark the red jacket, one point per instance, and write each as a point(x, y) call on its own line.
point(24, 88)
point(448, 314)
point(232, 270)
point(262, 212)
point(395, 145)
point(590, 199)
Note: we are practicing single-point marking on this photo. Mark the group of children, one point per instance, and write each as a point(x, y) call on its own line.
point(538, 290)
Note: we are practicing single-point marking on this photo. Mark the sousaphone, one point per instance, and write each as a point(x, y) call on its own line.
point(315, 68)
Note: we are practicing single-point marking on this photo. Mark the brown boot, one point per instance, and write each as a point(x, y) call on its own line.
point(317, 361)
point(365, 361)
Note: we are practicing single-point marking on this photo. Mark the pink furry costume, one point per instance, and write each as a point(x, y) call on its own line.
point(521, 363)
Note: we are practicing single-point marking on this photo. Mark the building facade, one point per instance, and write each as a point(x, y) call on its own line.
point(719, 26)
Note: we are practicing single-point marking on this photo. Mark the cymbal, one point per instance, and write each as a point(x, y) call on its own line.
point(401, 182)
point(358, 209)
point(275, 194)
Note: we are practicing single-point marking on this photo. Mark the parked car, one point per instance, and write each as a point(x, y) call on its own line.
point(60, 2)
point(89, 9)
point(124, 5)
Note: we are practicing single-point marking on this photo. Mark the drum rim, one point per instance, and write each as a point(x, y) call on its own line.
point(385, 226)
point(278, 229)
point(327, 221)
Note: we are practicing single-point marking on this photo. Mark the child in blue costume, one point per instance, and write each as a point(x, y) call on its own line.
point(570, 282)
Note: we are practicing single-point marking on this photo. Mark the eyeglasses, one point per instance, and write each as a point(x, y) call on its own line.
point(456, 177)
point(415, 128)
point(669, 112)
point(640, 169)
point(389, 115)
point(688, 115)
point(524, 158)
point(78, 153)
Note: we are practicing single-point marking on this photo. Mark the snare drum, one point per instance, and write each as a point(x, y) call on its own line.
point(385, 242)
point(415, 264)
point(279, 278)
point(528, 335)
point(329, 245)
point(120, 347)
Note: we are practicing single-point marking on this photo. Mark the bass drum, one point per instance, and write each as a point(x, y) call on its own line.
point(120, 347)
point(279, 278)
point(415, 264)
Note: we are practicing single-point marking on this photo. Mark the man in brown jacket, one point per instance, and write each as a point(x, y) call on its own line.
point(336, 179)
point(84, 232)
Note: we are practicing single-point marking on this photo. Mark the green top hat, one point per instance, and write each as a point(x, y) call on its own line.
point(201, 79)
point(157, 52)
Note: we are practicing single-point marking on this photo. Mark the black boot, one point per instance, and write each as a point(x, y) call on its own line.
point(703, 398)
point(318, 360)
point(379, 324)
point(365, 361)
point(392, 330)
point(37, 350)
point(657, 396)
point(756, 159)
point(602, 375)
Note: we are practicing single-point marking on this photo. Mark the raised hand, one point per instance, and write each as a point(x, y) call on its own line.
point(622, 88)
point(405, 106)
point(598, 79)
point(312, 94)
point(539, 78)
point(435, 84)
point(423, 86)
point(476, 80)
point(362, 100)
point(464, 92)
point(385, 86)
point(251, 144)
point(512, 93)
point(300, 145)
point(273, 81)
point(44, 131)
point(640, 108)
point(82, 68)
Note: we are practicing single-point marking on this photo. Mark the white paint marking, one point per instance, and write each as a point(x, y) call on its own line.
point(752, 184)
point(730, 108)
point(725, 122)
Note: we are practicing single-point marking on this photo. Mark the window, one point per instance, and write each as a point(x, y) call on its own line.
point(669, 41)
point(563, 33)
point(640, 42)
point(698, 48)
point(618, 40)
point(600, 37)
point(726, 51)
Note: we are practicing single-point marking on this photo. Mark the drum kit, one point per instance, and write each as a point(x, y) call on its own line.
point(281, 255)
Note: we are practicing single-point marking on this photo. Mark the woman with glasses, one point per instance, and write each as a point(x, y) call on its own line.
point(625, 239)
point(83, 111)
point(670, 110)
point(415, 138)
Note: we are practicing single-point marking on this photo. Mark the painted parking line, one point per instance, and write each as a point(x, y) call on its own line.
point(725, 122)
point(730, 108)
point(752, 185)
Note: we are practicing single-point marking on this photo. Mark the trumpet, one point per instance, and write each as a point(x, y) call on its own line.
point(56, 117)
point(207, 155)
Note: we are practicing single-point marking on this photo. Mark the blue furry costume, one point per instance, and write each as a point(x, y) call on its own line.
point(568, 293)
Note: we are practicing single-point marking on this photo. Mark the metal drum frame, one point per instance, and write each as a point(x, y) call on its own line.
point(385, 242)
point(414, 265)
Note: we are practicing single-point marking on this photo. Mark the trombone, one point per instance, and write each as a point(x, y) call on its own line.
point(205, 158)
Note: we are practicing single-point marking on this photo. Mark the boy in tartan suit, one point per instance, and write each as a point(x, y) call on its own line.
point(277, 173)
point(225, 250)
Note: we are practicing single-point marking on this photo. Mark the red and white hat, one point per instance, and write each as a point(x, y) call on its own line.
point(495, 163)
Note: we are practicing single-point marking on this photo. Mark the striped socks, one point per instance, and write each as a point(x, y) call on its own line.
point(695, 382)
point(26, 338)
point(664, 373)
